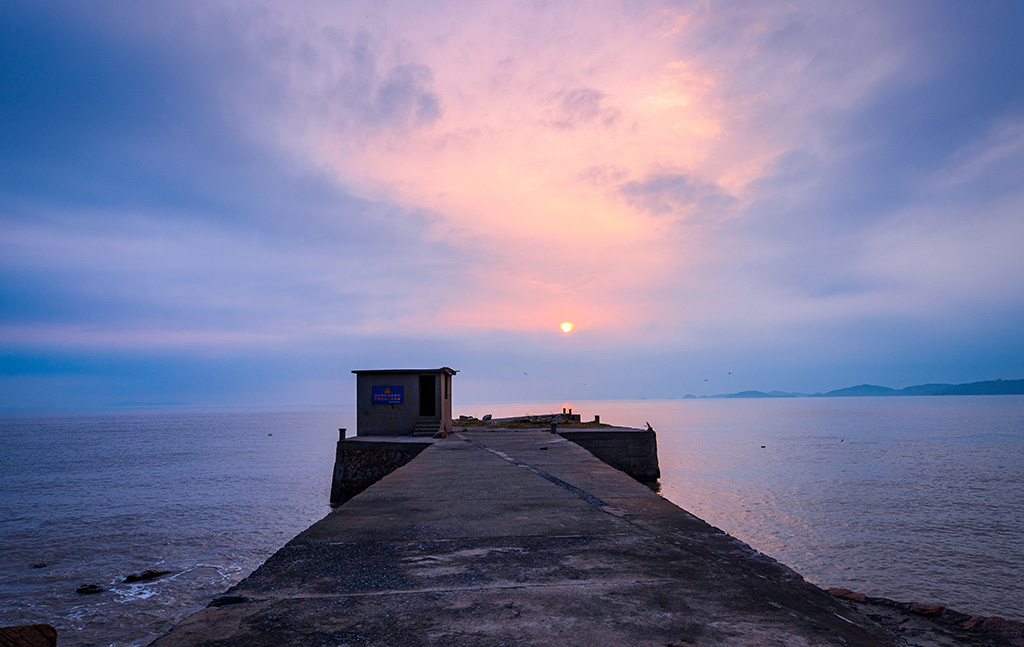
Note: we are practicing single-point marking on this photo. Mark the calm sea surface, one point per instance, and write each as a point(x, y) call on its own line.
point(908, 498)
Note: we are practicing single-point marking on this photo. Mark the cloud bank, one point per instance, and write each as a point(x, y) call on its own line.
point(803, 196)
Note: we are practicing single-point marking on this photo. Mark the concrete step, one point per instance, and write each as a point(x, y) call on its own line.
point(426, 427)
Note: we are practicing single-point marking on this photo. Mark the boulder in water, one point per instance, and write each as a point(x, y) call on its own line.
point(145, 576)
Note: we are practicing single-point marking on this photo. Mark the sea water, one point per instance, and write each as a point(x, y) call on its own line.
point(909, 498)
point(91, 499)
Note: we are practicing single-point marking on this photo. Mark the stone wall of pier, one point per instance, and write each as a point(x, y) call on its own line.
point(359, 463)
point(634, 451)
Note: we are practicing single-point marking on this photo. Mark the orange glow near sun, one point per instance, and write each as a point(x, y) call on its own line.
point(567, 326)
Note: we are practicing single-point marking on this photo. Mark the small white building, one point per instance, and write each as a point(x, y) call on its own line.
point(404, 402)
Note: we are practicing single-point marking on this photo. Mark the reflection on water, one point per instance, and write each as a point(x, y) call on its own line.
point(909, 498)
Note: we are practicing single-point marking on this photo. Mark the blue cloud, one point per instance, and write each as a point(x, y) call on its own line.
point(404, 97)
point(584, 105)
point(133, 196)
point(678, 194)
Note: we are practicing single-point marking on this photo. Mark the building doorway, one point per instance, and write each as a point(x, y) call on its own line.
point(428, 395)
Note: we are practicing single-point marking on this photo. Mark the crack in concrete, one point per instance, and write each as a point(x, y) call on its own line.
point(608, 583)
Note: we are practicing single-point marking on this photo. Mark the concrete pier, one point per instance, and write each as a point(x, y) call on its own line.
point(519, 538)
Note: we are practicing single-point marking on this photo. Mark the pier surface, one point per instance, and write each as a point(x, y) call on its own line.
point(519, 538)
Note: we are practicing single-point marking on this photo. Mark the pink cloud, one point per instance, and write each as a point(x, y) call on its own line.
point(586, 159)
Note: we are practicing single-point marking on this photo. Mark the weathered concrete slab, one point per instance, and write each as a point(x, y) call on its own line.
point(520, 538)
point(634, 451)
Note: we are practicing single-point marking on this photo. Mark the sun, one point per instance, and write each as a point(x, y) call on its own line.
point(567, 326)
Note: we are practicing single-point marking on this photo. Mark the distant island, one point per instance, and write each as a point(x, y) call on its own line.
point(991, 387)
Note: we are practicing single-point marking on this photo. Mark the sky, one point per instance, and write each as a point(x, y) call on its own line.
point(226, 203)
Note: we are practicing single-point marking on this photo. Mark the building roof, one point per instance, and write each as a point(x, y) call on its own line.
point(443, 369)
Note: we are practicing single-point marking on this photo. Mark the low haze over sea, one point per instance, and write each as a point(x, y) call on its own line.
point(912, 498)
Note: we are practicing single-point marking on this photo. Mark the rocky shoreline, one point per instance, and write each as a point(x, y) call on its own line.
point(917, 624)
point(933, 625)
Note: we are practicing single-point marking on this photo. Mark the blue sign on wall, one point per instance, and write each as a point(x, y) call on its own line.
point(386, 394)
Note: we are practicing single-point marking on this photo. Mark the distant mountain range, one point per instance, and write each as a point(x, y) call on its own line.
point(991, 387)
